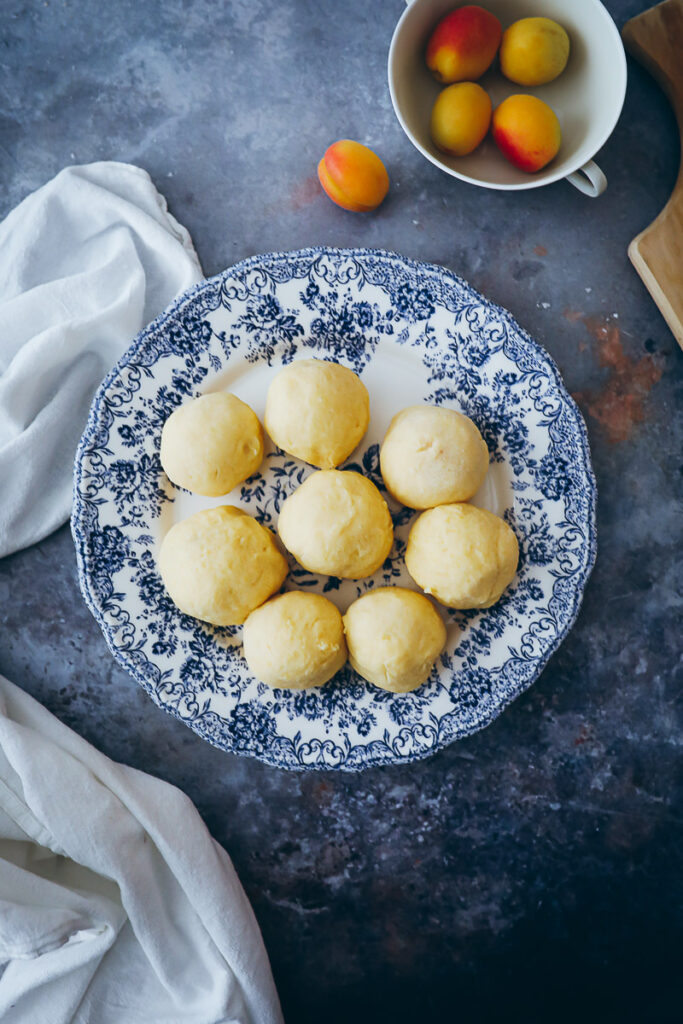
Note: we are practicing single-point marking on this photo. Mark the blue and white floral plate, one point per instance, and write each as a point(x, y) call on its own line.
point(415, 333)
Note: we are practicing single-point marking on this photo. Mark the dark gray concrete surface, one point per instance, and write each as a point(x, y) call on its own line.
point(533, 871)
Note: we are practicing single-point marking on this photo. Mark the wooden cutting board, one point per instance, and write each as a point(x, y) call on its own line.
point(655, 38)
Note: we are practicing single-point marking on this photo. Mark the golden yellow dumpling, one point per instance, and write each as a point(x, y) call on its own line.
point(432, 456)
point(220, 564)
point(463, 555)
point(211, 444)
point(295, 641)
point(394, 636)
point(318, 411)
point(338, 524)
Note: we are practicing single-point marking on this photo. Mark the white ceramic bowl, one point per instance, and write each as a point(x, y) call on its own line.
point(587, 97)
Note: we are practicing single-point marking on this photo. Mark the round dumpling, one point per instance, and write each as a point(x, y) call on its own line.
point(463, 555)
point(211, 444)
point(394, 637)
point(317, 411)
point(220, 564)
point(433, 456)
point(295, 641)
point(338, 524)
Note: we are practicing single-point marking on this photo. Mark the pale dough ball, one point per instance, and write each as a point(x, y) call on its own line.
point(317, 411)
point(295, 641)
point(394, 637)
point(220, 564)
point(211, 444)
point(464, 556)
point(433, 456)
point(338, 524)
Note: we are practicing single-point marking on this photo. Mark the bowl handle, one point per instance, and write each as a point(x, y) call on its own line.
point(589, 179)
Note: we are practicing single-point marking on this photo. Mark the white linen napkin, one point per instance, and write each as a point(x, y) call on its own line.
point(116, 905)
point(85, 263)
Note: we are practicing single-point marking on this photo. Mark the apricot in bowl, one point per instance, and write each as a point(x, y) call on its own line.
point(460, 118)
point(534, 51)
point(463, 44)
point(526, 131)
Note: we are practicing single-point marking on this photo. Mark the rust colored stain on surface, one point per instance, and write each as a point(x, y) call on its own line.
point(322, 793)
point(572, 315)
point(584, 735)
point(540, 250)
point(305, 192)
point(619, 405)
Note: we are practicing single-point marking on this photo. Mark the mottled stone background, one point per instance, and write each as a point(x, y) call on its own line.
point(531, 872)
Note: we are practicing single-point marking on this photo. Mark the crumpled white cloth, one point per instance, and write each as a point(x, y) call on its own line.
point(116, 905)
point(86, 262)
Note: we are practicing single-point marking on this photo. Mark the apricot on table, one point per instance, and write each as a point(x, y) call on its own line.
point(534, 51)
point(526, 131)
point(463, 44)
point(460, 118)
point(353, 176)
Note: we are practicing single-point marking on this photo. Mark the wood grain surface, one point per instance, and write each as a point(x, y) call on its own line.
point(655, 39)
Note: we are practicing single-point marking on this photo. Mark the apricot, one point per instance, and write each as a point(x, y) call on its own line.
point(353, 176)
point(463, 44)
point(526, 131)
point(534, 51)
point(460, 118)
